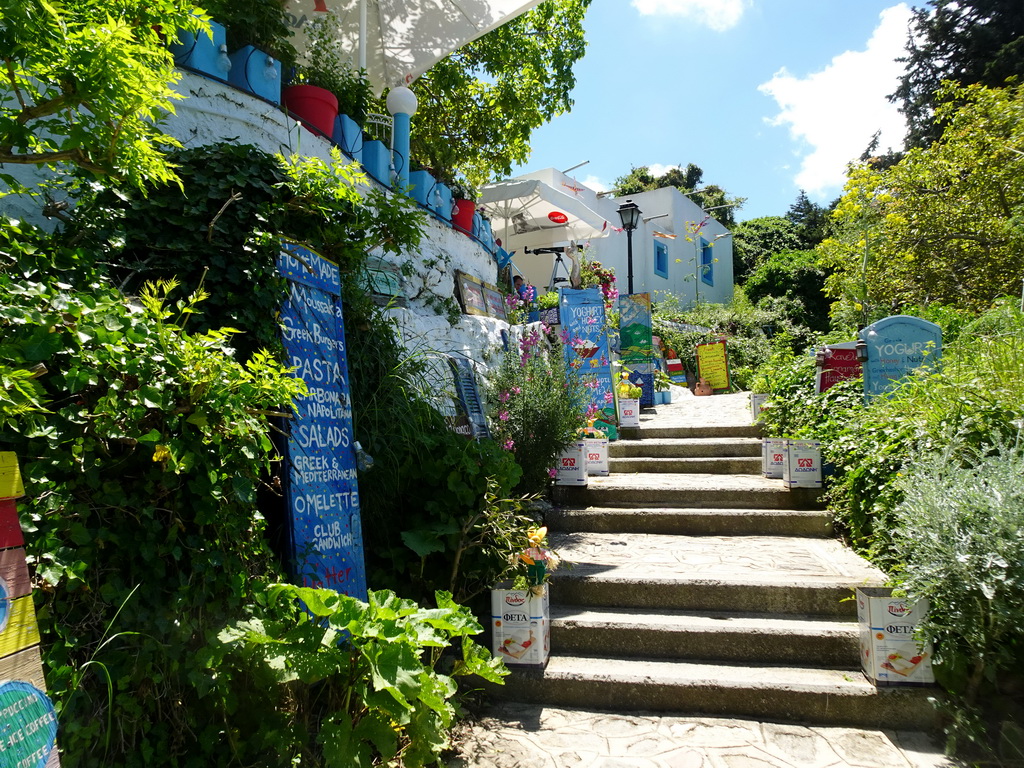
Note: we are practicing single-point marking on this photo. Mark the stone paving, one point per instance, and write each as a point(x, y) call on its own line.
point(520, 735)
point(768, 559)
point(511, 735)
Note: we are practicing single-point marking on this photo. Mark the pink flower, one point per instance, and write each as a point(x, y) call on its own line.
point(565, 335)
point(591, 411)
point(591, 320)
point(552, 472)
point(608, 397)
point(503, 397)
point(509, 445)
point(503, 415)
point(516, 390)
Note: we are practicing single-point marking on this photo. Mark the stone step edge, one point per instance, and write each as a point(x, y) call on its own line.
point(830, 643)
point(837, 698)
point(726, 620)
point(818, 597)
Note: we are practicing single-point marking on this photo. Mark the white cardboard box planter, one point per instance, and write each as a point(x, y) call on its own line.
point(803, 464)
point(773, 457)
point(889, 653)
point(572, 465)
point(597, 456)
point(629, 412)
point(521, 626)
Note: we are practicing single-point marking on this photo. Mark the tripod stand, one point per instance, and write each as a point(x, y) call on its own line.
point(555, 280)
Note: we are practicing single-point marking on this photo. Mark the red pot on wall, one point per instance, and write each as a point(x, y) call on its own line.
point(316, 107)
point(462, 215)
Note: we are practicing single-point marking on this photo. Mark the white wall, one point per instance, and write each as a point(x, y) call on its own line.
point(684, 255)
point(213, 112)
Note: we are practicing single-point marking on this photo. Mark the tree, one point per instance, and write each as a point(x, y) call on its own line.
point(479, 105)
point(86, 83)
point(755, 240)
point(687, 180)
point(810, 220)
point(796, 277)
point(946, 224)
point(966, 41)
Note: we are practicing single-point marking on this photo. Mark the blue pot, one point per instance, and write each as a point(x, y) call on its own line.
point(349, 136)
point(202, 52)
point(442, 202)
point(257, 72)
point(422, 183)
point(377, 161)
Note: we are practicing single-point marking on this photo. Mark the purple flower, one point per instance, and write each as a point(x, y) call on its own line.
point(608, 397)
point(516, 390)
point(503, 415)
point(503, 397)
point(509, 445)
point(552, 472)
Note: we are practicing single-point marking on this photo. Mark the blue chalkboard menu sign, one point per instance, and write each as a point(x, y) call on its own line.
point(323, 494)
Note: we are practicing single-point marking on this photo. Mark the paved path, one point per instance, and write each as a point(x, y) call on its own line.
point(533, 736)
point(510, 735)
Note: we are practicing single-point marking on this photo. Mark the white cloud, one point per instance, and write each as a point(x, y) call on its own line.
point(836, 111)
point(719, 15)
point(595, 184)
point(657, 169)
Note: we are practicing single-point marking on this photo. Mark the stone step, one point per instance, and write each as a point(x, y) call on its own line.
point(692, 522)
point(717, 465)
point(731, 637)
point(764, 692)
point(685, 448)
point(648, 431)
point(655, 489)
point(743, 574)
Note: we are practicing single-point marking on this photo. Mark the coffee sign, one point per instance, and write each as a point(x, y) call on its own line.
point(28, 725)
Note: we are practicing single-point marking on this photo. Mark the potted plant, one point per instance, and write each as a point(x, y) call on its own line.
point(522, 637)
point(547, 304)
point(325, 84)
point(258, 39)
point(629, 401)
point(463, 205)
point(662, 393)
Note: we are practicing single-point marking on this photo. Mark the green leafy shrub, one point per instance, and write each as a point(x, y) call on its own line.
point(796, 277)
point(360, 681)
point(751, 333)
point(959, 539)
point(537, 407)
point(141, 474)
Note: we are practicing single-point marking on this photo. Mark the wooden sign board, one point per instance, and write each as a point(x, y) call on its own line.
point(713, 365)
point(479, 298)
point(495, 302)
point(10, 477)
point(28, 722)
point(471, 294)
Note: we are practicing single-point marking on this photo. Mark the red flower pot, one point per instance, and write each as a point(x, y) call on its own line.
point(462, 215)
point(316, 107)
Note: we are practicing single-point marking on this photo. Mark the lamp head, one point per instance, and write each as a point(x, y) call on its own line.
point(629, 212)
point(401, 101)
point(861, 351)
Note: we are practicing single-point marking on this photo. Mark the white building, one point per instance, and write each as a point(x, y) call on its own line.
point(678, 248)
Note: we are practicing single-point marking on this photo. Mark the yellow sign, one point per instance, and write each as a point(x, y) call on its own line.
point(713, 365)
point(21, 631)
point(10, 476)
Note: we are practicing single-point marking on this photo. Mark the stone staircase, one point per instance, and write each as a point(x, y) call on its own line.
point(694, 585)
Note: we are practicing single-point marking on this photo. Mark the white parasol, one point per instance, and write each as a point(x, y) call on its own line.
point(402, 39)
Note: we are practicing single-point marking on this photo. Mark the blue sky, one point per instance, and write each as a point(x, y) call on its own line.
point(767, 96)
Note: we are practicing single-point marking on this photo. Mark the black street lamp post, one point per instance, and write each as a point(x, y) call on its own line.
point(629, 212)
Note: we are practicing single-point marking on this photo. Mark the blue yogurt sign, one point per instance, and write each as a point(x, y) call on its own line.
point(896, 346)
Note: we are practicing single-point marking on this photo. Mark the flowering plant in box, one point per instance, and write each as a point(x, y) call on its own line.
point(540, 560)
